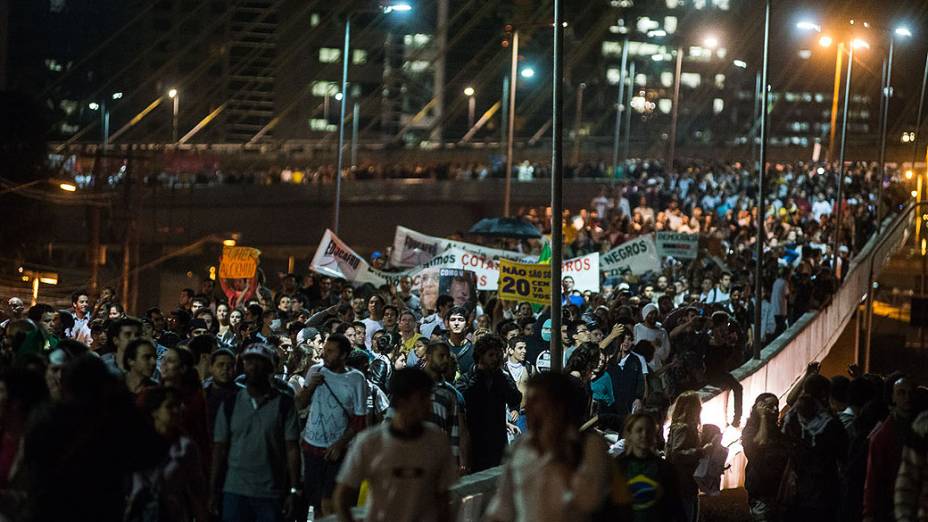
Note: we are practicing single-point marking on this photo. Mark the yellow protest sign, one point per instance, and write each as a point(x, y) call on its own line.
point(238, 262)
point(524, 282)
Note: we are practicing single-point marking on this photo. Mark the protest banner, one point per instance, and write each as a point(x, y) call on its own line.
point(238, 262)
point(637, 255)
point(411, 248)
point(680, 246)
point(524, 282)
point(584, 270)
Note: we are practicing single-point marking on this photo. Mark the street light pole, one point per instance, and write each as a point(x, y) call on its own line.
point(838, 201)
point(355, 122)
point(676, 109)
point(761, 195)
point(918, 117)
point(507, 192)
point(887, 93)
point(629, 94)
point(557, 174)
point(836, 95)
point(341, 127)
point(578, 123)
point(619, 108)
point(174, 119)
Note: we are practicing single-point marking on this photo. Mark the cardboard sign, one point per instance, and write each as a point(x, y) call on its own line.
point(680, 246)
point(238, 262)
point(411, 248)
point(524, 282)
point(637, 255)
point(584, 271)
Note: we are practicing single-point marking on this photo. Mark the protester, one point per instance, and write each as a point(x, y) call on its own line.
point(684, 450)
point(770, 457)
point(403, 484)
point(651, 480)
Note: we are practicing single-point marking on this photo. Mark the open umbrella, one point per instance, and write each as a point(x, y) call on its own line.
point(516, 228)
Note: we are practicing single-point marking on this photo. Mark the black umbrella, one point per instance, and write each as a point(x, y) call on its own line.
point(505, 227)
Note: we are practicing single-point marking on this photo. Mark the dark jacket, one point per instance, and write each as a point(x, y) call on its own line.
point(766, 463)
point(486, 396)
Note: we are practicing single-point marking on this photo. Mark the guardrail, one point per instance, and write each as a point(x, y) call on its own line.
point(782, 362)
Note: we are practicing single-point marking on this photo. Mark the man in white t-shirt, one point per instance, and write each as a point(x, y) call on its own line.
point(373, 323)
point(337, 398)
point(407, 461)
point(721, 293)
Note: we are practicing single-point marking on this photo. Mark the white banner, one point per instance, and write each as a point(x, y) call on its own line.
point(411, 248)
point(638, 255)
point(336, 259)
point(680, 246)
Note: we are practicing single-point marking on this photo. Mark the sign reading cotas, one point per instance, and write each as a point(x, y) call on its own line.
point(524, 282)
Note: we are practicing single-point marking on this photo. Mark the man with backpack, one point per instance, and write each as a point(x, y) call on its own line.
point(256, 455)
point(337, 398)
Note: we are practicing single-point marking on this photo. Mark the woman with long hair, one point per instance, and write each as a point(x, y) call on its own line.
point(684, 449)
point(555, 472)
point(768, 452)
point(175, 490)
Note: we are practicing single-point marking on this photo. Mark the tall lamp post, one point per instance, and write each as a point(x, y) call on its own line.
point(399, 7)
point(761, 195)
point(471, 106)
point(175, 96)
point(710, 42)
point(886, 91)
point(619, 108)
point(557, 176)
point(514, 65)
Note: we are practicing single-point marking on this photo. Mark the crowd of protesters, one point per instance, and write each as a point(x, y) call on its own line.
point(316, 394)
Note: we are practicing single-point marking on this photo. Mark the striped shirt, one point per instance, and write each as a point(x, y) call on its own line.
point(445, 412)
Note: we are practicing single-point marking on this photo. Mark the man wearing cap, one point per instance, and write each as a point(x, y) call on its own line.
point(651, 330)
point(256, 455)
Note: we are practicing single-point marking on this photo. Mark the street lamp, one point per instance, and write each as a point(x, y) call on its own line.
point(854, 44)
point(761, 196)
point(471, 106)
point(396, 7)
point(527, 72)
point(886, 93)
point(174, 95)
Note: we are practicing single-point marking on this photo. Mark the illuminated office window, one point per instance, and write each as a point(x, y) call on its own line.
point(664, 105)
point(667, 79)
point(329, 54)
point(324, 88)
point(691, 80)
point(670, 24)
point(359, 56)
point(718, 105)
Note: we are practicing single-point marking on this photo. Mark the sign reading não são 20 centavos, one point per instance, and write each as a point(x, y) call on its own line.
point(238, 262)
point(524, 282)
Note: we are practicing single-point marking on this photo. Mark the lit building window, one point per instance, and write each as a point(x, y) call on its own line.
point(807, 97)
point(819, 97)
point(724, 5)
point(792, 97)
point(718, 105)
point(645, 49)
point(721, 52)
point(321, 124)
point(324, 88)
point(699, 4)
point(645, 24)
point(329, 55)
point(667, 79)
point(613, 48)
point(699, 53)
point(416, 66)
point(805, 54)
point(613, 76)
point(673, 4)
point(719, 81)
point(691, 80)
point(314, 19)
point(664, 105)
point(53, 65)
point(857, 98)
point(416, 40)
point(670, 24)
point(641, 79)
point(359, 56)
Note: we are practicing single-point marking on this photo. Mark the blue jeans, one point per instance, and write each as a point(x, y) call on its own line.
point(239, 508)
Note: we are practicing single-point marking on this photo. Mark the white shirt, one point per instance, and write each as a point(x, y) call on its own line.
point(404, 476)
point(717, 295)
point(661, 341)
point(370, 328)
point(328, 419)
point(821, 208)
point(532, 488)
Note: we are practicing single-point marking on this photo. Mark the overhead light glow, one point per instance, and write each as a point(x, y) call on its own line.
point(825, 41)
point(93, 106)
point(658, 33)
point(401, 7)
point(117, 95)
point(228, 242)
point(172, 93)
point(338, 96)
point(903, 31)
point(807, 25)
point(909, 174)
point(860, 43)
point(468, 91)
point(740, 63)
point(711, 41)
point(68, 187)
point(527, 72)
